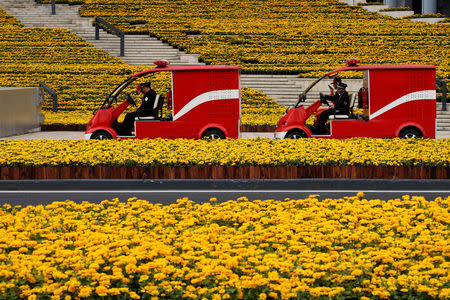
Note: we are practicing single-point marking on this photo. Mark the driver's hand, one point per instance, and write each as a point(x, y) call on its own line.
point(130, 100)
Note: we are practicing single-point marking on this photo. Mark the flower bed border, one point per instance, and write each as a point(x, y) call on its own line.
point(222, 172)
point(79, 127)
point(62, 127)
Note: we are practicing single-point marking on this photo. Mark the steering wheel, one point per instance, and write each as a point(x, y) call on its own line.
point(323, 100)
point(130, 100)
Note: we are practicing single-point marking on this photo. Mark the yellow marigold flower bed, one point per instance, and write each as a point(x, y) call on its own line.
point(243, 152)
point(308, 37)
point(266, 249)
point(83, 75)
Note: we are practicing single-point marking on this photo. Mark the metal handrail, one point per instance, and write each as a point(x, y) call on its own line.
point(100, 23)
point(50, 93)
point(442, 84)
point(53, 6)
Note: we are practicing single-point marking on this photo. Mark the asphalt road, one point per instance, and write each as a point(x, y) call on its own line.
point(35, 192)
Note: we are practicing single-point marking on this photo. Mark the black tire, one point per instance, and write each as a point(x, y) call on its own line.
point(410, 133)
point(296, 134)
point(101, 135)
point(213, 134)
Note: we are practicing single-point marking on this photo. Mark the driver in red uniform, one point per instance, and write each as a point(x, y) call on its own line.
point(146, 108)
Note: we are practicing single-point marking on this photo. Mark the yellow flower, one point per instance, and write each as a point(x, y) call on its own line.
point(101, 291)
point(201, 250)
point(85, 291)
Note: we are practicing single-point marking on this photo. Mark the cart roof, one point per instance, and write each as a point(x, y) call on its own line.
point(186, 68)
point(380, 67)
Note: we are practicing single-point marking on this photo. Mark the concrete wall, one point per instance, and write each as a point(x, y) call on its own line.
point(405, 3)
point(390, 3)
point(444, 7)
point(422, 6)
point(20, 110)
point(429, 6)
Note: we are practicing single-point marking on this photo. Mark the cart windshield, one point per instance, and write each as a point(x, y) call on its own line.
point(313, 89)
point(113, 96)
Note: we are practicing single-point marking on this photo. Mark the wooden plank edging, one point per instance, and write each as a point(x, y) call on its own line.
point(222, 172)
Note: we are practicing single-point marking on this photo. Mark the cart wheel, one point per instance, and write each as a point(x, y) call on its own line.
point(296, 134)
point(101, 135)
point(410, 133)
point(213, 134)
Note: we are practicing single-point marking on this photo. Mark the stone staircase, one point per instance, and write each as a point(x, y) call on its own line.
point(443, 119)
point(143, 50)
point(139, 49)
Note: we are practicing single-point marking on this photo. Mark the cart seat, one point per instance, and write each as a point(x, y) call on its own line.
point(145, 118)
point(352, 98)
point(156, 105)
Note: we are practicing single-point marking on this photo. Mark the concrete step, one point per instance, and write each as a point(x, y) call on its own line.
point(374, 8)
point(353, 2)
point(39, 9)
point(398, 13)
point(156, 57)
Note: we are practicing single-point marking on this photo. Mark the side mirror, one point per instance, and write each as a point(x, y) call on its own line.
point(288, 109)
point(302, 97)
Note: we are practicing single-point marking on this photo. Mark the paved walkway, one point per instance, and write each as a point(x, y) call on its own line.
point(73, 135)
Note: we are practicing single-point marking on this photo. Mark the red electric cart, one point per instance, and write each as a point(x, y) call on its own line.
point(205, 100)
point(396, 101)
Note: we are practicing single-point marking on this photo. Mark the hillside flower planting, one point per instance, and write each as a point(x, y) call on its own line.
point(265, 249)
point(184, 152)
point(258, 36)
point(83, 75)
point(305, 37)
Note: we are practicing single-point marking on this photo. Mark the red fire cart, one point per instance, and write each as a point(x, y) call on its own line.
point(394, 101)
point(205, 102)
